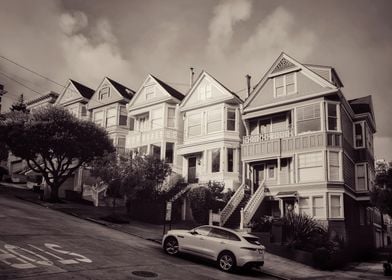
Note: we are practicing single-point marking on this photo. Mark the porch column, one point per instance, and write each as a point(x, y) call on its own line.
point(251, 176)
point(244, 174)
point(278, 171)
point(163, 150)
point(205, 161)
point(185, 168)
point(222, 159)
point(281, 207)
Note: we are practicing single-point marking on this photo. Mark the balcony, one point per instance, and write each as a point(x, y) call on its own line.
point(268, 136)
point(140, 138)
point(259, 146)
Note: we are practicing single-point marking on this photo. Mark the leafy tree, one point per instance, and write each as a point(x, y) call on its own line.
point(20, 105)
point(381, 195)
point(53, 142)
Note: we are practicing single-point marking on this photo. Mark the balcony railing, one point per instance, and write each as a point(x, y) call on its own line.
point(138, 138)
point(268, 136)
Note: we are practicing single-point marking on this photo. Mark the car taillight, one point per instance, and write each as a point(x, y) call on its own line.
point(248, 248)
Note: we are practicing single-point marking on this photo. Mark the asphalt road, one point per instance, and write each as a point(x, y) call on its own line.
point(39, 243)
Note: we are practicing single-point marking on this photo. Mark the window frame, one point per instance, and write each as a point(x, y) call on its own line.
point(101, 93)
point(199, 124)
point(231, 110)
point(285, 84)
point(171, 118)
point(322, 207)
point(362, 124)
point(230, 161)
point(339, 165)
point(150, 91)
point(309, 207)
point(320, 117)
point(212, 160)
point(338, 121)
point(159, 118)
point(95, 119)
point(364, 164)
point(299, 167)
point(341, 212)
point(114, 109)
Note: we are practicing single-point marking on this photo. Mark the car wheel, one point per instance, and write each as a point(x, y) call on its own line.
point(171, 246)
point(226, 261)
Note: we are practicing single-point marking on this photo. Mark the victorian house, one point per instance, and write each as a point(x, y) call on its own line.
point(156, 126)
point(108, 109)
point(212, 133)
point(309, 150)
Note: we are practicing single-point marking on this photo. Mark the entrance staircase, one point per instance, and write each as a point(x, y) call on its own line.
point(241, 208)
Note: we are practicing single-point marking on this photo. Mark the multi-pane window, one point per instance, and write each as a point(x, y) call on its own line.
point(332, 117)
point(111, 117)
point(360, 175)
point(318, 206)
point(230, 159)
point(150, 92)
point(334, 166)
point(123, 116)
point(285, 84)
point(156, 119)
point(230, 126)
point(215, 160)
point(335, 206)
point(98, 118)
point(171, 117)
point(310, 167)
point(194, 125)
point(131, 122)
point(304, 206)
point(308, 118)
point(359, 135)
point(214, 121)
point(84, 111)
point(104, 93)
point(169, 154)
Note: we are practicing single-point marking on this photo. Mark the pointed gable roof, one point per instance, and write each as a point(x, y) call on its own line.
point(283, 64)
point(85, 91)
point(123, 90)
point(205, 74)
point(172, 91)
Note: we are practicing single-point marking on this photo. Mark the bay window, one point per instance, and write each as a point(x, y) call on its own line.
point(318, 206)
point(310, 167)
point(214, 121)
point(123, 116)
point(332, 117)
point(169, 154)
point(143, 122)
point(334, 166)
point(98, 118)
point(171, 117)
point(308, 118)
point(361, 177)
point(156, 119)
point(111, 117)
point(230, 159)
point(230, 126)
point(194, 125)
point(215, 160)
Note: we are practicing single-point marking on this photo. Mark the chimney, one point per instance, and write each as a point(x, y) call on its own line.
point(248, 77)
point(191, 75)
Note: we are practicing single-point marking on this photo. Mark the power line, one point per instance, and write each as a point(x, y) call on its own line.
point(32, 71)
point(20, 83)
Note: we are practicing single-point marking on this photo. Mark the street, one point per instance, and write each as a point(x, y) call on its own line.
point(40, 243)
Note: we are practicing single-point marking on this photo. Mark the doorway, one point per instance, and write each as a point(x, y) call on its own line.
point(192, 170)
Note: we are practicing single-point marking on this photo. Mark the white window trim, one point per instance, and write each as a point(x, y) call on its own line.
point(298, 166)
point(310, 204)
point(201, 126)
point(103, 116)
point(227, 109)
point(108, 93)
point(285, 93)
point(340, 165)
point(175, 117)
point(321, 119)
point(324, 207)
point(362, 123)
point(341, 216)
point(338, 119)
point(366, 176)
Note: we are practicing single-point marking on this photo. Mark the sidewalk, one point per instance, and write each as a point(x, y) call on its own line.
point(274, 265)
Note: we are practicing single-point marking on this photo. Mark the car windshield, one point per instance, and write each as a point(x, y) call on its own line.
point(252, 239)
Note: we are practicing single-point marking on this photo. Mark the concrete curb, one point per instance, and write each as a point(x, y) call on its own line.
point(108, 225)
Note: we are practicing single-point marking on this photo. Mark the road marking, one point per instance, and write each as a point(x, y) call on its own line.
point(25, 258)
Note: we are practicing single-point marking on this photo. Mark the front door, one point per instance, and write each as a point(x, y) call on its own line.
point(258, 176)
point(192, 170)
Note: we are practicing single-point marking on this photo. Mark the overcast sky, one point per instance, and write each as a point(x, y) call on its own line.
point(126, 40)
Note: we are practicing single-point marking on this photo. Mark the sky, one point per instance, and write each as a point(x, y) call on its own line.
point(125, 40)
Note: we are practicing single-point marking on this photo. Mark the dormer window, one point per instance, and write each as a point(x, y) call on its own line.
point(285, 84)
point(104, 93)
point(150, 92)
point(359, 135)
point(205, 92)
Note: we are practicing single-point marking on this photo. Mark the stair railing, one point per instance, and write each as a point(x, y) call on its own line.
point(232, 204)
point(180, 193)
point(254, 203)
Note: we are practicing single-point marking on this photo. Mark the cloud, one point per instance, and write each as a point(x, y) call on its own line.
point(226, 15)
point(73, 23)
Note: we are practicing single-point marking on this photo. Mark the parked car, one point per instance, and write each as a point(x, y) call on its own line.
point(229, 248)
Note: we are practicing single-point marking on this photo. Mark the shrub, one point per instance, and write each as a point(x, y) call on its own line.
point(200, 201)
point(322, 258)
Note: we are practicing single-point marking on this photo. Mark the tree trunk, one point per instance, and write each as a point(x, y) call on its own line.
point(54, 193)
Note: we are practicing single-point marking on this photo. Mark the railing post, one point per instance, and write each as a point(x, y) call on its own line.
point(242, 219)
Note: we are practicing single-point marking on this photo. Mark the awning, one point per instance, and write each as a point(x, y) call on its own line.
point(287, 194)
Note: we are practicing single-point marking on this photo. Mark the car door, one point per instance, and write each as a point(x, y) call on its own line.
point(194, 241)
point(219, 240)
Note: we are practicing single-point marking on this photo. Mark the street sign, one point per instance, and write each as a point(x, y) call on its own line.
point(168, 211)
